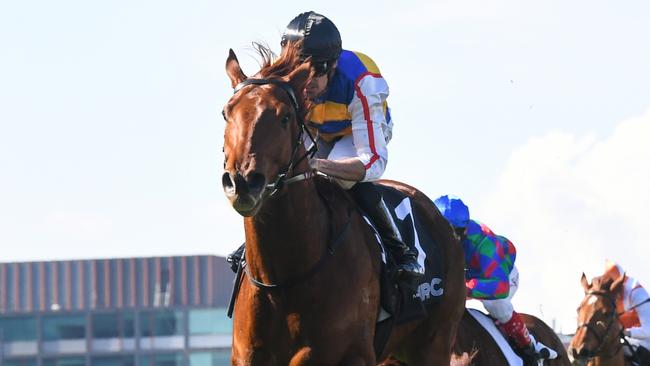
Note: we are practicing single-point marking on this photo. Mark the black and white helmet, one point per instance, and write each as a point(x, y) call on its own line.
point(320, 38)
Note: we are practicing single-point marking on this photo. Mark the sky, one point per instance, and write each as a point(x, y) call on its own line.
point(537, 114)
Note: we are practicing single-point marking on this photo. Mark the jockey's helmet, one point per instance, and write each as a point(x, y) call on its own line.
point(320, 38)
point(454, 210)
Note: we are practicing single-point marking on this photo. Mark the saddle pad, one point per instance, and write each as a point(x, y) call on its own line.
point(488, 324)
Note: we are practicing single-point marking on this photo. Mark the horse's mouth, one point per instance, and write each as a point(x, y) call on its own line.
point(577, 360)
point(246, 205)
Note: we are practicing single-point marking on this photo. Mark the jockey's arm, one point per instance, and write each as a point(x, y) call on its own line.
point(368, 123)
point(370, 129)
point(351, 169)
point(487, 288)
point(638, 296)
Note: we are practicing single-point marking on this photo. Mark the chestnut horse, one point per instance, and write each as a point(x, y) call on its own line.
point(473, 339)
point(310, 289)
point(599, 335)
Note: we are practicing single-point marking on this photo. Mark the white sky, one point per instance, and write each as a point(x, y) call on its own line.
point(536, 113)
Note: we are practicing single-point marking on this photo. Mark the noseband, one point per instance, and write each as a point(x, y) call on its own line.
point(612, 318)
point(283, 177)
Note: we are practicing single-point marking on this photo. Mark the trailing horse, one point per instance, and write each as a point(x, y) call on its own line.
point(599, 339)
point(472, 338)
point(310, 291)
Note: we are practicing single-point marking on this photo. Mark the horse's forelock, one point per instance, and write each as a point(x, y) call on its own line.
point(278, 66)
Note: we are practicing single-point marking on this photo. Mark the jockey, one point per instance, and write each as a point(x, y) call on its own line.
point(352, 120)
point(491, 275)
point(633, 305)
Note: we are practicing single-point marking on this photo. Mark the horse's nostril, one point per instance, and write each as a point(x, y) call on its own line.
point(226, 181)
point(256, 181)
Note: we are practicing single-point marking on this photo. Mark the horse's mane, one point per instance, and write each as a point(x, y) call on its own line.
point(276, 67)
point(600, 283)
point(273, 66)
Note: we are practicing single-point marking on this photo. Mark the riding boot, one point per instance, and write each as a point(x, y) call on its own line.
point(406, 257)
point(236, 257)
point(517, 333)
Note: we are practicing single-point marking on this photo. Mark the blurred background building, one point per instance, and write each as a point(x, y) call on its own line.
point(163, 311)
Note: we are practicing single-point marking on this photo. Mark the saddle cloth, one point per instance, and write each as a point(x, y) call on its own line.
point(488, 324)
point(415, 234)
point(401, 304)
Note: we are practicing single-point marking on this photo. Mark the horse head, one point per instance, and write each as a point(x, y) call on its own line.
point(598, 333)
point(264, 127)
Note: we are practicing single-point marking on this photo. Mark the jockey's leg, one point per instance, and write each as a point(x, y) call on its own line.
point(369, 198)
point(512, 325)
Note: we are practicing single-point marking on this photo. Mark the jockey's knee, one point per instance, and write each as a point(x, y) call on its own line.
point(500, 310)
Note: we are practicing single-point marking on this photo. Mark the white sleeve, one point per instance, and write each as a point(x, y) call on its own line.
point(368, 124)
point(637, 296)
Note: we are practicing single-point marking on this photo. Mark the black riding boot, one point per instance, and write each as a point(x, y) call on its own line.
point(235, 258)
point(370, 200)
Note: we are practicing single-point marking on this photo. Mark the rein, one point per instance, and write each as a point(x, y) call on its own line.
point(283, 177)
point(329, 251)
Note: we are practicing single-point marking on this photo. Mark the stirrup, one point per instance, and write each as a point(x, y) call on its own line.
point(410, 269)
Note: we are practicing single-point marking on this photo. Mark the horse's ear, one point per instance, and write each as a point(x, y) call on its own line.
point(584, 282)
point(298, 77)
point(234, 70)
point(615, 287)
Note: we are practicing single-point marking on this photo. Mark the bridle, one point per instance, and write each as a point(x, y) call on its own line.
point(283, 177)
point(612, 318)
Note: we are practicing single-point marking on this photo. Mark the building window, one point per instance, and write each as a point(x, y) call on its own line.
point(164, 359)
point(20, 362)
point(113, 325)
point(216, 358)
point(161, 323)
point(209, 321)
point(18, 329)
point(126, 360)
point(60, 327)
point(64, 361)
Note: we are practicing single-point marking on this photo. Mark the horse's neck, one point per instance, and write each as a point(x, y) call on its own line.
point(287, 237)
point(617, 357)
point(615, 361)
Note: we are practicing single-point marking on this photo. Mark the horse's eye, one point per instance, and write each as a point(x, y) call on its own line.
point(285, 119)
point(223, 113)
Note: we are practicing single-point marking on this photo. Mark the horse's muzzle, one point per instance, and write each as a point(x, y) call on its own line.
point(579, 357)
point(244, 192)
